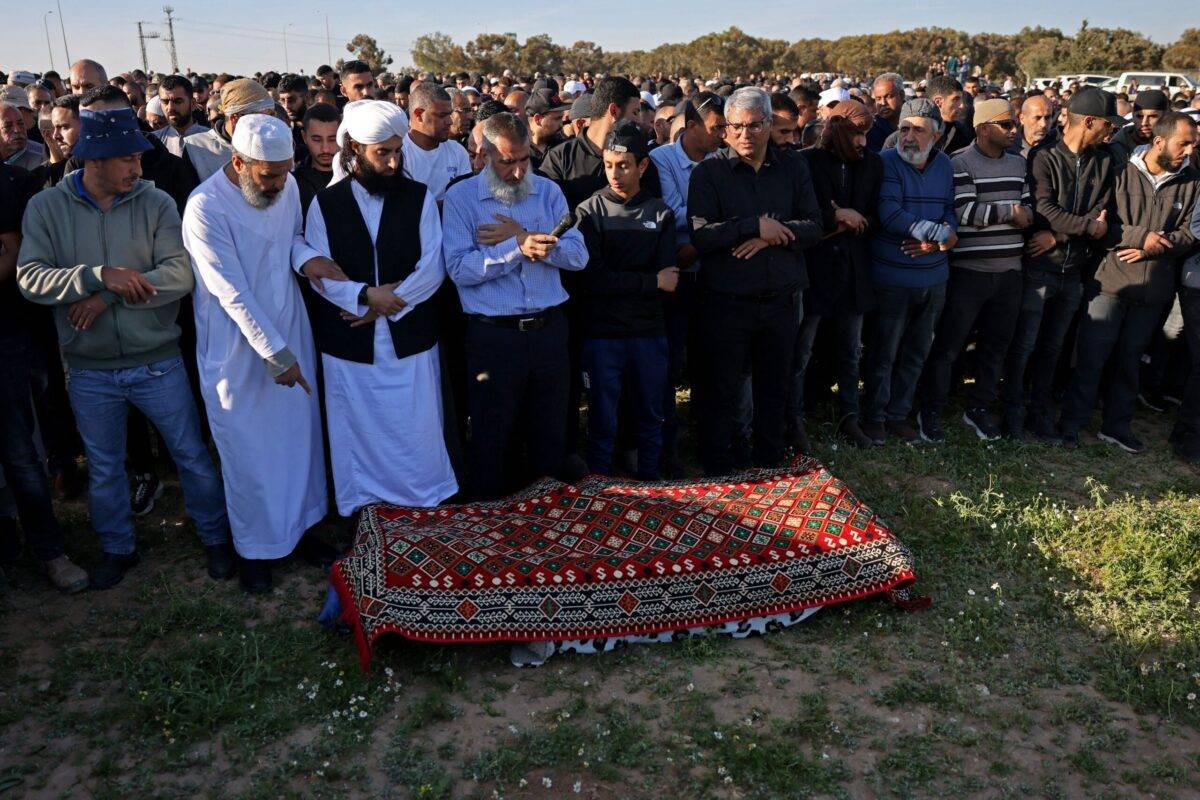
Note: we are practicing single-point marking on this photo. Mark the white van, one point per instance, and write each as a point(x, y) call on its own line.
point(1169, 82)
point(1083, 80)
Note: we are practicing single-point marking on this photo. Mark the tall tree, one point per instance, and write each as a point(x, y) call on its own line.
point(493, 52)
point(365, 48)
point(540, 54)
point(1184, 53)
point(1111, 50)
point(583, 56)
point(437, 52)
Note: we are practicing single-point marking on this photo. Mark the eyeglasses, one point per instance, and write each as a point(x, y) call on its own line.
point(749, 127)
point(1004, 124)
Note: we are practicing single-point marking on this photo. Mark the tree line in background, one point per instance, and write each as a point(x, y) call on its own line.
point(1031, 52)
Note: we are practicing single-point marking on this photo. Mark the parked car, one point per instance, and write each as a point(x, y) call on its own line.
point(1083, 80)
point(1169, 82)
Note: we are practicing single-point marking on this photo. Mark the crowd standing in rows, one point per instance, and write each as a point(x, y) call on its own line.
point(400, 288)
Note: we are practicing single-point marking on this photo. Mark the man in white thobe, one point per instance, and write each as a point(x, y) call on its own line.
point(377, 334)
point(255, 346)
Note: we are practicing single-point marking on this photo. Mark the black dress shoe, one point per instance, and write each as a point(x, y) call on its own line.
point(255, 574)
point(112, 569)
point(316, 552)
point(222, 561)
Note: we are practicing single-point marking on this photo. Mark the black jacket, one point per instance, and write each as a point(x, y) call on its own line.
point(726, 198)
point(628, 242)
point(1067, 191)
point(839, 267)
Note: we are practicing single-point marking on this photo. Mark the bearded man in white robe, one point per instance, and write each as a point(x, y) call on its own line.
point(377, 331)
point(255, 349)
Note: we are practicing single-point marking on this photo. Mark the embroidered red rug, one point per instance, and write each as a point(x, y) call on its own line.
point(610, 558)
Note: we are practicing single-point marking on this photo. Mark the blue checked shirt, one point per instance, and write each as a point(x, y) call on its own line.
point(674, 171)
point(498, 280)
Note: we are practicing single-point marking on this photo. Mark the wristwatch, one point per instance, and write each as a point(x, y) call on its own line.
point(362, 296)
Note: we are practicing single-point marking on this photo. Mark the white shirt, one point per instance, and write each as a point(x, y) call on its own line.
point(437, 167)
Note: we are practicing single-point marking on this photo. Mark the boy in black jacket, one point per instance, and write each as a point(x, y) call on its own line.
point(630, 238)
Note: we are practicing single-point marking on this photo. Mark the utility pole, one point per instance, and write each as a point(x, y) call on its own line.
point(46, 27)
point(63, 27)
point(171, 40)
point(142, 37)
point(328, 46)
point(286, 66)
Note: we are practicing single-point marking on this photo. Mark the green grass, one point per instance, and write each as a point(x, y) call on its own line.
point(1060, 658)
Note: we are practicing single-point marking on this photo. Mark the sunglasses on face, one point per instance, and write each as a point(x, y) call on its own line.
point(1005, 124)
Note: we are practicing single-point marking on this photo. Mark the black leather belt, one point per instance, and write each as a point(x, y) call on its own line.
point(525, 323)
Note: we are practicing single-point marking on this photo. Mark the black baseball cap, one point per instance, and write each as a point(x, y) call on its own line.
point(627, 137)
point(1092, 102)
point(544, 101)
point(1151, 100)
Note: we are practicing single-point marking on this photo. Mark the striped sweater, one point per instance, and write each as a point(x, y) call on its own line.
point(985, 191)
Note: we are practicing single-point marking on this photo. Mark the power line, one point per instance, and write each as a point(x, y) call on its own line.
point(273, 35)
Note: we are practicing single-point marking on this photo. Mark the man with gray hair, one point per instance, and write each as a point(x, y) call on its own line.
point(888, 93)
point(430, 155)
point(753, 212)
point(507, 265)
point(86, 75)
point(909, 267)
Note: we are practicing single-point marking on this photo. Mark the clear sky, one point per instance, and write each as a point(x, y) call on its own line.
point(224, 35)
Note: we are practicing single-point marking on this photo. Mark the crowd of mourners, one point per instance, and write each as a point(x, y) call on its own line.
point(359, 288)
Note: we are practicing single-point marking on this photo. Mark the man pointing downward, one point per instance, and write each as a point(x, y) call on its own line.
point(255, 348)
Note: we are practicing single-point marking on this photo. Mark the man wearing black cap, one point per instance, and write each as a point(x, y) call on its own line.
point(1071, 183)
point(544, 115)
point(1148, 108)
point(1148, 232)
point(578, 117)
point(630, 238)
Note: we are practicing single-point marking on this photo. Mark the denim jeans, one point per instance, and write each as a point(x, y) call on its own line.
point(848, 351)
point(1048, 304)
point(1120, 329)
point(23, 470)
point(637, 367)
point(989, 301)
point(904, 326)
point(100, 399)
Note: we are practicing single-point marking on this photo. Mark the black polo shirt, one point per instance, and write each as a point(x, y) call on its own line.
point(578, 169)
point(726, 197)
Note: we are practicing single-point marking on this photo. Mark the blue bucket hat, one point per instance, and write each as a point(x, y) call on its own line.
point(109, 134)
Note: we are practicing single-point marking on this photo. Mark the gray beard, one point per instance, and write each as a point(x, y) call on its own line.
point(251, 194)
point(916, 158)
point(507, 193)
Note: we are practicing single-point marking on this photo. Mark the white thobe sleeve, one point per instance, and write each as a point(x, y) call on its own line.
point(343, 294)
point(430, 270)
point(217, 265)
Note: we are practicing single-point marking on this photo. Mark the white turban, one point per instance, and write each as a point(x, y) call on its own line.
point(368, 122)
point(154, 106)
point(263, 138)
